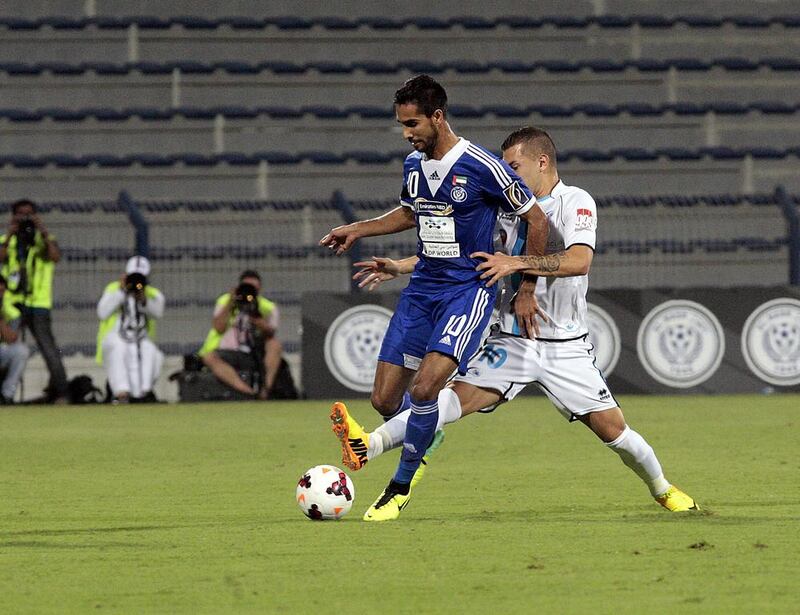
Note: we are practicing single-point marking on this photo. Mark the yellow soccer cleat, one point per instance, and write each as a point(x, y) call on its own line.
point(675, 500)
point(352, 436)
point(388, 506)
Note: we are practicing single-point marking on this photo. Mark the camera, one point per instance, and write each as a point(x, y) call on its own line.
point(135, 282)
point(27, 231)
point(246, 299)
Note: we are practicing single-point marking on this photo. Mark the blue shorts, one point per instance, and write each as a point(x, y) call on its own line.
point(451, 322)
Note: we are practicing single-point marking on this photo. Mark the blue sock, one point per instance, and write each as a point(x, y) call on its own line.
point(419, 433)
point(405, 404)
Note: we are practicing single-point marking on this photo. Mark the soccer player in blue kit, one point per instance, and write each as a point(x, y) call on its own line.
point(452, 191)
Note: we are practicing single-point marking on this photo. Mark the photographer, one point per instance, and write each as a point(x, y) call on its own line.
point(13, 353)
point(243, 336)
point(125, 344)
point(29, 254)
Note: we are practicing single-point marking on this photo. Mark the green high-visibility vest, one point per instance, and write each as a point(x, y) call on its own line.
point(214, 337)
point(39, 270)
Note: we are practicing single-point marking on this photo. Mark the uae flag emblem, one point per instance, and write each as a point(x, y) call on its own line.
point(459, 180)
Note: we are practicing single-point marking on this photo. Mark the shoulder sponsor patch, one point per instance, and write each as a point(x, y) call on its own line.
point(516, 196)
point(584, 221)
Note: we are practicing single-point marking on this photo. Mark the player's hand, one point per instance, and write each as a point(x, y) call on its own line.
point(340, 238)
point(495, 266)
point(526, 309)
point(376, 271)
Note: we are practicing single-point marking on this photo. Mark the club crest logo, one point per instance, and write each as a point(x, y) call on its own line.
point(680, 343)
point(604, 336)
point(771, 342)
point(458, 194)
point(352, 344)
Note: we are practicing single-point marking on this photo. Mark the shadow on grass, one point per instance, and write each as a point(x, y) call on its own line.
point(93, 530)
point(36, 544)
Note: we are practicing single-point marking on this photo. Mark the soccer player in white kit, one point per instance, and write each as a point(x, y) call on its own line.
point(560, 360)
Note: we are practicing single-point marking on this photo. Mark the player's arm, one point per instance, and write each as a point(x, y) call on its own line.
point(341, 238)
point(526, 307)
point(575, 260)
point(377, 270)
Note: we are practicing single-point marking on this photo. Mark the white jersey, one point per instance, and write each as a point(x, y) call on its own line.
point(572, 216)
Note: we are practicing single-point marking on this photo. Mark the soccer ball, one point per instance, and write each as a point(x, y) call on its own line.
point(325, 492)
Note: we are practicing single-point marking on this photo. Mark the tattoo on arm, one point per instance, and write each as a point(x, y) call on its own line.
point(549, 263)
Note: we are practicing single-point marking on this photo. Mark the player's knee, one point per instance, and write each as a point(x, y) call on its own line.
point(425, 390)
point(385, 404)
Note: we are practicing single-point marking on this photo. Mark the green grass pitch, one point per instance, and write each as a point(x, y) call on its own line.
point(190, 509)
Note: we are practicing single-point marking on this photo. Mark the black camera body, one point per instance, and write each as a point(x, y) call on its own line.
point(135, 282)
point(246, 299)
point(26, 233)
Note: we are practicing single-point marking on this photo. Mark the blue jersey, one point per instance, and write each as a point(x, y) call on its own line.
point(455, 202)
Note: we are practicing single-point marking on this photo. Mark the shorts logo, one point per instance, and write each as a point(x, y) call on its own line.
point(771, 342)
point(680, 343)
point(458, 194)
point(493, 356)
point(604, 336)
point(584, 221)
point(446, 341)
point(516, 196)
point(604, 394)
point(352, 344)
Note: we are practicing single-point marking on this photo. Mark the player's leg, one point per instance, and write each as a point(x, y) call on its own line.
point(114, 360)
point(577, 388)
point(152, 359)
point(461, 317)
point(226, 373)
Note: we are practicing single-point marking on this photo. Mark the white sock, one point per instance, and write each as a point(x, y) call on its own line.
point(638, 455)
point(389, 435)
point(449, 408)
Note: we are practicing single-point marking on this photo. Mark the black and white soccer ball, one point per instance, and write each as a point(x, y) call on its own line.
point(325, 492)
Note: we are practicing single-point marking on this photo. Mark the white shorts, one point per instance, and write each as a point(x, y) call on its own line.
point(564, 371)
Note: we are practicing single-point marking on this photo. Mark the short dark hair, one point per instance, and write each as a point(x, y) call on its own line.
point(425, 92)
point(535, 141)
point(249, 273)
point(21, 203)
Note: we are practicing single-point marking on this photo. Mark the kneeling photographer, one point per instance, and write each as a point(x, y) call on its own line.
point(125, 347)
point(242, 339)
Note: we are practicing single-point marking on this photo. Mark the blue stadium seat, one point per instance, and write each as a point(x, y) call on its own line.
point(111, 23)
point(278, 157)
point(325, 112)
point(688, 108)
point(147, 22)
point(775, 107)
point(332, 68)
point(318, 157)
point(558, 66)
point(365, 157)
point(382, 23)
point(150, 114)
point(505, 111)
point(290, 23)
point(511, 66)
point(27, 162)
point(282, 68)
point(108, 161)
point(633, 154)
point(596, 110)
point(587, 155)
point(722, 153)
point(605, 66)
point(233, 112)
point(474, 23)
point(782, 64)
point(649, 65)
point(550, 110)
point(66, 161)
point(723, 108)
point(372, 112)
point(104, 68)
point(21, 115)
point(429, 23)
point(613, 21)
point(192, 68)
point(375, 68)
point(195, 113)
point(700, 21)
point(767, 153)
point(280, 112)
point(749, 21)
point(193, 22)
point(18, 68)
point(739, 64)
point(678, 153)
point(421, 66)
point(236, 68)
point(520, 22)
point(13, 23)
point(244, 23)
point(236, 159)
point(466, 111)
point(653, 21)
point(337, 23)
point(689, 64)
point(566, 21)
point(63, 23)
point(639, 109)
point(150, 68)
point(466, 66)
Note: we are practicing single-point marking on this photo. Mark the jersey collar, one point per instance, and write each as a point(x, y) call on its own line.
point(439, 169)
